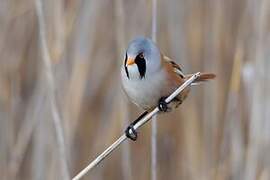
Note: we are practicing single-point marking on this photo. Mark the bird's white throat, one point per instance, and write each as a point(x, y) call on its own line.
point(133, 71)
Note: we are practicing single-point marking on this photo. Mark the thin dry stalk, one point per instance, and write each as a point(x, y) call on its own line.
point(51, 88)
point(258, 125)
point(154, 120)
point(123, 110)
point(83, 45)
point(25, 133)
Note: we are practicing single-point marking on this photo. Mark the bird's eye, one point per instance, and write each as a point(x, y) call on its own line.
point(141, 56)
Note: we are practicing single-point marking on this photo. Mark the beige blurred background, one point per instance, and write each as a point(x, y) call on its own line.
point(61, 102)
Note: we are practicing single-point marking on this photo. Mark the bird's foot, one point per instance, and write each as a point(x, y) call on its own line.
point(163, 106)
point(131, 133)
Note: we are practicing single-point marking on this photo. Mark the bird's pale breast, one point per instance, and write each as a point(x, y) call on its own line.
point(147, 91)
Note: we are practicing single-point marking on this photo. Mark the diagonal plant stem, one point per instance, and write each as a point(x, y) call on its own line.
point(140, 123)
point(51, 88)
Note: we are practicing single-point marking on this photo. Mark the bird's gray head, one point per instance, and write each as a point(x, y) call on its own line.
point(142, 58)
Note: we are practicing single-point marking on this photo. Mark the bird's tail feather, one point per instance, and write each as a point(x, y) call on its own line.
point(202, 78)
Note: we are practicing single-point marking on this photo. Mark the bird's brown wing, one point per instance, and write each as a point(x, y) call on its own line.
point(176, 68)
point(176, 77)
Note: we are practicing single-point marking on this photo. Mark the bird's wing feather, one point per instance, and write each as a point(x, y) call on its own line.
point(176, 77)
point(176, 68)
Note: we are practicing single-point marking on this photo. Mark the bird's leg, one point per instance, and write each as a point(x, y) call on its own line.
point(162, 105)
point(130, 132)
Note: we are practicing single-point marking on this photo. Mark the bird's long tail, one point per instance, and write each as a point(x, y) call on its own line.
point(202, 78)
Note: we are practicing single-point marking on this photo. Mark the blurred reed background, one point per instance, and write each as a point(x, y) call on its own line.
point(61, 102)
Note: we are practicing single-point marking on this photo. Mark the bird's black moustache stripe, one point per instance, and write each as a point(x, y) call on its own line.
point(126, 69)
point(141, 66)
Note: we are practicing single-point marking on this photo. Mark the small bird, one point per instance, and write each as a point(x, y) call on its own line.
point(149, 77)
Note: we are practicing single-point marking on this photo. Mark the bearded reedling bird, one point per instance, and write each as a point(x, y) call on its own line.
point(148, 77)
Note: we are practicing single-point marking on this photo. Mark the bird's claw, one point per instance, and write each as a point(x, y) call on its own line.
point(162, 105)
point(131, 133)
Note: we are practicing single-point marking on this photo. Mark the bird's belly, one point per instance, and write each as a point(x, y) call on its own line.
point(145, 92)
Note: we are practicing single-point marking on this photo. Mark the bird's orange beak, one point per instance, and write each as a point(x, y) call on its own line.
point(130, 61)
